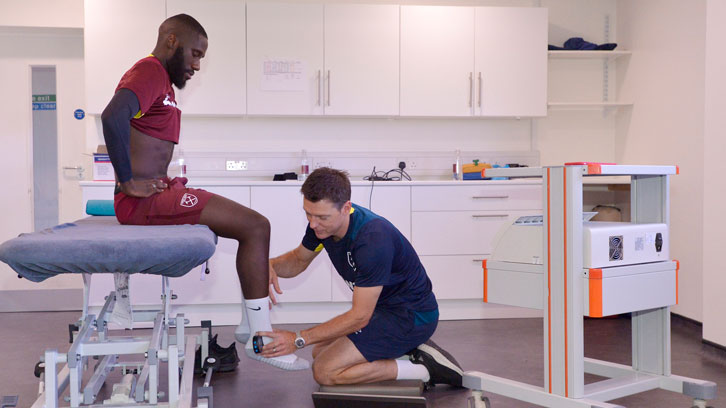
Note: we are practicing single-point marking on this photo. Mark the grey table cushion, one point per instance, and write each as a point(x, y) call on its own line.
point(101, 245)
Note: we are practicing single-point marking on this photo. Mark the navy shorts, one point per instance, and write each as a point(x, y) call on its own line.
point(392, 333)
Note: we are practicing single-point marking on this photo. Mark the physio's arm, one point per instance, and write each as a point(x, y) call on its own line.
point(116, 121)
point(291, 264)
point(364, 302)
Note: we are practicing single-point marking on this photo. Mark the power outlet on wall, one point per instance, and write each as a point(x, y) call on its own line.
point(236, 165)
point(322, 163)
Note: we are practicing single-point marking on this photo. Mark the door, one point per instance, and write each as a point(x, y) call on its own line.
point(45, 148)
point(437, 61)
point(361, 59)
point(511, 61)
point(284, 59)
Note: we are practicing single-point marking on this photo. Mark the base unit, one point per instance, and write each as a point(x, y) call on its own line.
point(623, 289)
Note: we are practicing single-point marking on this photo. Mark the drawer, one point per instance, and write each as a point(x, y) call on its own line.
point(458, 232)
point(455, 277)
point(478, 197)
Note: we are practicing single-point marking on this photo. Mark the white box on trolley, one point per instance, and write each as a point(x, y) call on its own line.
point(626, 267)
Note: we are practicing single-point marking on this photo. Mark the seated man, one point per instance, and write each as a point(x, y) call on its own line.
point(141, 126)
point(394, 311)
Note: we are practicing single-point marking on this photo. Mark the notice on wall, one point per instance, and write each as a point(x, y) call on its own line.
point(283, 75)
point(43, 102)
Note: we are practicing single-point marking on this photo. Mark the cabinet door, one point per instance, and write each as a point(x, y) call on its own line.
point(219, 86)
point(284, 59)
point(116, 35)
point(511, 61)
point(283, 207)
point(456, 277)
point(361, 59)
point(437, 61)
point(391, 203)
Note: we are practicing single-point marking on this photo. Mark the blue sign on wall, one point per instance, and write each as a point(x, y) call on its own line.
point(79, 114)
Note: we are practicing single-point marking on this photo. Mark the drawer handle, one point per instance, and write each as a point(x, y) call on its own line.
point(492, 196)
point(489, 216)
point(478, 260)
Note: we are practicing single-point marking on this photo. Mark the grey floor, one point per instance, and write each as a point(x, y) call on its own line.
point(508, 348)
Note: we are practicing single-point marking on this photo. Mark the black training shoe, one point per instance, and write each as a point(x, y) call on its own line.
point(442, 366)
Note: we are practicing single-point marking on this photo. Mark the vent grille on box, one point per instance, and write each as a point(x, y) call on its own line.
point(616, 248)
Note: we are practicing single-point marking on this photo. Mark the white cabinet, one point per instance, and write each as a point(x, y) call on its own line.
point(310, 59)
point(284, 59)
point(361, 59)
point(511, 61)
point(455, 276)
point(116, 35)
point(466, 61)
point(282, 205)
point(437, 60)
point(218, 88)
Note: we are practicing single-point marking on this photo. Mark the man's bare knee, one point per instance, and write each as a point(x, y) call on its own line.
point(321, 375)
point(256, 227)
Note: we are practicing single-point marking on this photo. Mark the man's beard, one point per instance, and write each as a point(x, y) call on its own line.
point(175, 65)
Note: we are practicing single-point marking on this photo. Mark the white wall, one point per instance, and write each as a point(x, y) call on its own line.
point(41, 13)
point(23, 48)
point(714, 195)
point(665, 79)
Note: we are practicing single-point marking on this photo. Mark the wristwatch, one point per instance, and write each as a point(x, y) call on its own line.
point(299, 340)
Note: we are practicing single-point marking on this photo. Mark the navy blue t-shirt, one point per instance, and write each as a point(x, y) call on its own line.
point(374, 253)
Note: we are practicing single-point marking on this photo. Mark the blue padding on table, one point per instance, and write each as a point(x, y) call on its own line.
point(101, 245)
point(100, 207)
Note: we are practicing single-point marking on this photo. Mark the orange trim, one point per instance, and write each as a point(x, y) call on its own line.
point(595, 292)
point(483, 173)
point(486, 282)
point(678, 268)
point(594, 168)
point(678, 170)
point(549, 288)
point(564, 202)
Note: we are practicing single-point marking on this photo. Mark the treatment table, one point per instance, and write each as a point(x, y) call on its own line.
point(98, 244)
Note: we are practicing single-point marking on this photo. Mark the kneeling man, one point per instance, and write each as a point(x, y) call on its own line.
point(394, 311)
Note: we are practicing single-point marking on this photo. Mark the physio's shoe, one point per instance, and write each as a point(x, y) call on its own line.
point(442, 366)
point(242, 332)
point(287, 362)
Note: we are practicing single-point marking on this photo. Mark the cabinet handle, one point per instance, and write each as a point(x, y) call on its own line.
point(471, 87)
point(478, 260)
point(493, 196)
point(328, 88)
point(489, 216)
point(480, 85)
point(318, 82)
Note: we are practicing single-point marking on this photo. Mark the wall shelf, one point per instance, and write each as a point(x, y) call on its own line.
point(610, 55)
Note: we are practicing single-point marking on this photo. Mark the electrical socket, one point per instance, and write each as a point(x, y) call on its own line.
point(322, 163)
point(236, 165)
point(411, 164)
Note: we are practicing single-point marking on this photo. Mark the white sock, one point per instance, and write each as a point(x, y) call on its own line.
point(242, 332)
point(410, 371)
point(258, 317)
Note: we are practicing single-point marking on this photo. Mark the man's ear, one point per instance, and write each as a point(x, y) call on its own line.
point(172, 41)
point(346, 207)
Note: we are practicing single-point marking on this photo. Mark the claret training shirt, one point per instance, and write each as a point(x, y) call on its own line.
point(374, 253)
point(158, 115)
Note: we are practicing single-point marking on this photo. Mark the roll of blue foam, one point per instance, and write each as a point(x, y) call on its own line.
point(100, 207)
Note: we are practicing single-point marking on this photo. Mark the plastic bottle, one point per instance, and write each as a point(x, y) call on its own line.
point(456, 168)
point(182, 165)
point(304, 168)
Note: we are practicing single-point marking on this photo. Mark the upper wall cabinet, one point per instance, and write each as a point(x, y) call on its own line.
point(310, 59)
point(116, 35)
point(218, 88)
point(465, 61)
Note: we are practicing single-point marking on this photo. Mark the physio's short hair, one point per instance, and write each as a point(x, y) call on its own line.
point(188, 22)
point(327, 184)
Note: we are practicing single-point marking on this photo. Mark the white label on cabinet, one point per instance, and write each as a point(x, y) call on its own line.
point(283, 75)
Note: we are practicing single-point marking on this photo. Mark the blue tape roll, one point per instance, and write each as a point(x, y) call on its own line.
point(100, 207)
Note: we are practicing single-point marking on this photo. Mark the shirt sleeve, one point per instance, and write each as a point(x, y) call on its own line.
point(310, 241)
point(147, 79)
point(373, 256)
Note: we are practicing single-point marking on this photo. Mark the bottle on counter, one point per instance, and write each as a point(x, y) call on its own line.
point(456, 168)
point(182, 164)
point(304, 168)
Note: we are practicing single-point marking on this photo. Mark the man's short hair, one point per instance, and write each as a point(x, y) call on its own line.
point(188, 22)
point(327, 184)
